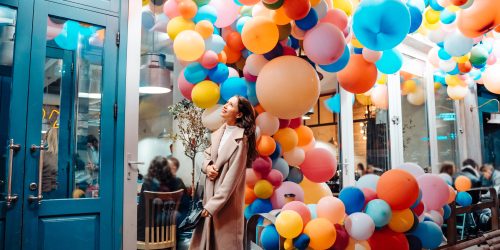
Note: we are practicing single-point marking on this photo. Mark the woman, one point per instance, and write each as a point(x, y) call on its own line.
point(448, 168)
point(232, 150)
point(158, 179)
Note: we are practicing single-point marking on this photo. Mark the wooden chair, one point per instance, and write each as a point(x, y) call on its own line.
point(161, 210)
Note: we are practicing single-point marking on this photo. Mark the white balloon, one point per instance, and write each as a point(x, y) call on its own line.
point(416, 98)
point(447, 178)
point(359, 226)
point(371, 55)
point(321, 9)
point(379, 96)
point(368, 181)
point(447, 65)
point(211, 117)
point(412, 168)
point(457, 92)
point(437, 36)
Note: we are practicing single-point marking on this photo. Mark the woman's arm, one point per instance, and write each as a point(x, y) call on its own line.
point(235, 173)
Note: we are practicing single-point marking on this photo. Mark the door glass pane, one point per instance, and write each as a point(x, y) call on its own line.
point(71, 109)
point(7, 29)
point(445, 127)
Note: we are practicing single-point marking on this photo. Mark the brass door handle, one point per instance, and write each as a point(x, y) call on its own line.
point(42, 148)
point(11, 198)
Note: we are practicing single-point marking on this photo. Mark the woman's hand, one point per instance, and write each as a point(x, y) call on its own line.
point(212, 173)
point(205, 213)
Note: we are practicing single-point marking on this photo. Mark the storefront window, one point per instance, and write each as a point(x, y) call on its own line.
point(445, 126)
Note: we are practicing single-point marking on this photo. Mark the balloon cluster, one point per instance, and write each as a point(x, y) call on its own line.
point(466, 51)
point(404, 206)
point(68, 34)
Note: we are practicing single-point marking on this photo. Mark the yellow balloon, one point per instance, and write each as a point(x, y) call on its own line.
point(382, 79)
point(177, 25)
point(205, 94)
point(313, 192)
point(263, 189)
point(453, 8)
point(287, 138)
point(355, 42)
point(452, 80)
point(437, 85)
point(288, 244)
point(463, 59)
point(432, 16)
point(363, 99)
point(409, 86)
point(205, 28)
point(344, 5)
point(189, 45)
point(430, 26)
point(289, 224)
point(260, 35)
point(314, 2)
point(145, 2)
point(401, 220)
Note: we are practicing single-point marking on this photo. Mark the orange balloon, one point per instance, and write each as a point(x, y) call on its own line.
point(305, 135)
point(287, 138)
point(406, 75)
point(101, 34)
point(279, 17)
point(259, 109)
point(398, 188)
point(452, 196)
point(351, 78)
point(465, 67)
point(205, 28)
point(481, 17)
point(249, 195)
point(222, 57)
point(497, 29)
point(463, 184)
point(266, 145)
point(234, 42)
point(187, 9)
point(260, 35)
point(297, 9)
point(232, 55)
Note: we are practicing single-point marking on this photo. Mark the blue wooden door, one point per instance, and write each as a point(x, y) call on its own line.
point(58, 96)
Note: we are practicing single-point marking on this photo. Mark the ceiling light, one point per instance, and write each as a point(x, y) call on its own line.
point(155, 77)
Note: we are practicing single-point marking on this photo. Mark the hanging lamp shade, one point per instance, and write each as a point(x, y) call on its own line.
point(155, 77)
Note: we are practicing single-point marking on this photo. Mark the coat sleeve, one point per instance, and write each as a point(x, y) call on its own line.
point(235, 172)
point(207, 161)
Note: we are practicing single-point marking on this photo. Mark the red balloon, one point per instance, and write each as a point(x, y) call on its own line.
point(419, 209)
point(342, 238)
point(295, 123)
point(351, 78)
point(262, 165)
point(465, 67)
point(319, 165)
point(284, 123)
point(234, 41)
point(296, 9)
point(275, 177)
point(387, 239)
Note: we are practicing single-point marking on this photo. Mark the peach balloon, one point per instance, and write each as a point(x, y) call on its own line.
point(336, 17)
point(491, 78)
point(287, 138)
point(294, 157)
point(205, 28)
point(305, 135)
point(380, 97)
point(251, 177)
point(485, 15)
point(350, 78)
point(457, 92)
point(331, 208)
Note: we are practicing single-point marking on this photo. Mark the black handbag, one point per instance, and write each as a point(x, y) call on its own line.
point(194, 216)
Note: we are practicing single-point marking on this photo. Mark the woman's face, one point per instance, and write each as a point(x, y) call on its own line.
point(230, 110)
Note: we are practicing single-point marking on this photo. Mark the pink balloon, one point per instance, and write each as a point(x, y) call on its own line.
point(275, 177)
point(251, 177)
point(170, 8)
point(249, 77)
point(53, 29)
point(262, 165)
point(278, 199)
point(435, 191)
point(324, 44)
point(300, 208)
point(209, 59)
point(184, 86)
point(233, 72)
point(336, 17)
point(227, 12)
point(297, 32)
point(477, 39)
point(331, 208)
point(319, 165)
point(380, 97)
point(433, 57)
point(371, 55)
point(370, 195)
point(492, 59)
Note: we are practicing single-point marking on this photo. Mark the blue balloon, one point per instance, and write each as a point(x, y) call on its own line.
point(447, 211)
point(246, 53)
point(148, 19)
point(333, 103)
point(368, 181)
point(443, 55)
point(475, 74)
point(295, 175)
point(429, 233)
point(195, 73)
point(261, 206)
point(281, 165)
point(435, 5)
point(206, 12)
point(439, 76)
point(390, 62)
point(219, 73)
point(339, 64)
point(447, 16)
point(277, 152)
point(312, 209)
point(301, 242)
point(463, 199)
point(252, 93)
point(275, 52)
point(357, 51)
point(241, 22)
point(233, 86)
point(68, 38)
point(416, 17)
point(455, 71)
point(215, 43)
point(353, 199)
point(457, 44)
point(377, 30)
point(295, 42)
point(419, 198)
point(379, 211)
point(419, 4)
point(270, 238)
point(248, 212)
point(309, 21)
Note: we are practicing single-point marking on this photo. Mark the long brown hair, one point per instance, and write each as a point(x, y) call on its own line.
point(247, 122)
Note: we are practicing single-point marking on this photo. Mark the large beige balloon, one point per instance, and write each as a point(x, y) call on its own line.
point(417, 98)
point(211, 118)
point(380, 97)
point(457, 92)
point(491, 78)
point(288, 87)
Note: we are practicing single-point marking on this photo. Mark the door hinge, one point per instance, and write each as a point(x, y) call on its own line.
point(115, 110)
point(72, 67)
point(117, 39)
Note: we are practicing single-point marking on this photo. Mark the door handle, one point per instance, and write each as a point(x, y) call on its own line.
point(132, 165)
point(41, 148)
point(13, 148)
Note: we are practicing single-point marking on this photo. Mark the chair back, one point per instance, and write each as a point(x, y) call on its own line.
point(161, 211)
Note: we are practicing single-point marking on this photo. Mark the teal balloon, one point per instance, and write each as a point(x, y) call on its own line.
point(457, 44)
point(69, 36)
point(148, 19)
point(281, 165)
point(439, 76)
point(233, 86)
point(206, 12)
point(390, 62)
point(312, 209)
point(463, 199)
point(368, 181)
point(447, 211)
point(252, 94)
point(378, 30)
point(475, 74)
point(429, 233)
point(479, 55)
point(435, 5)
point(241, 22)
point(195, 73)
point(215, 43)
point(379, 211)
point(333, 103)
point(270, 238)
point(339, 64)
point(419, 4)
point(219, 73)
point(415, 17)
point(447, 16)
point(443, 55)
point(455, 71)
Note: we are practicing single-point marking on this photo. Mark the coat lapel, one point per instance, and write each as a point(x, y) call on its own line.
point(229, 147)
point(216, 137)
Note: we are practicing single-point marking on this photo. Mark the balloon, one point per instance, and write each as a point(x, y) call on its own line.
point(205, 94)
point(187, 9)
point(289, 224)
point(398, 188)
point(429, 234)
point(232, 87)
point(374, 12)
point(275, 52)
point(171, 9)
point(281, 165)
point(342, 239)
point(339, 64)
point(177, 25)
point(401, 220)
point(297, 9)
point(295, 175)
point(381, 238)
point(255, 63)
point(287, 138)
point(309, 21)
point(457, 44)
point(269, 238)
point(262, 165)
point(417, 98)
point(415, 17)
point(263, 189)
point(185, 87)
point(353, 199)
point(294, 157)
point(204, 28)
point(412, 168)
point(266, 145)
point(435, 191)
point(209, 59)
point(379, 96)
point(267, 123)
point(300, 208)
point(295, 80)
point(431, 16)
point(485, 16)
point(331, 208)
point(457, 92)
point(295, 122)
point(433, 57)
point(287, 187)
point(336, 17)
point(251, 177)
point(479, 55)
point(447, 212)
point(219, 74)
point(350, 79)
point(319, 165)
point(491, 78)
point(360, 226)
point(321, 232)
point(463, 183)
point(227, 12)
point(313, 192)
point(324, 44)
point(249, 195)
point(305, 135)
point(464, 199)
point(363, 99)
point(279, 17)
point(390, 62)
point(211, 118)
point(260, 35)
point(301, 242)
point(148, 22)
point(321, 9)
point(371, 55)
point(379, 211)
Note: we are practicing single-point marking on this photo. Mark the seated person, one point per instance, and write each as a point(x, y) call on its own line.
point(490, 176)
point(173, 163)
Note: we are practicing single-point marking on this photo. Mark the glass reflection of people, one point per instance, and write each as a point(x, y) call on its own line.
point(360, 171)
point(50, 161)
point(93, 163)
point(448, 168)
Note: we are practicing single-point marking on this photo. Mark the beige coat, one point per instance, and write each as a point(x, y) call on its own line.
point(224, 198)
